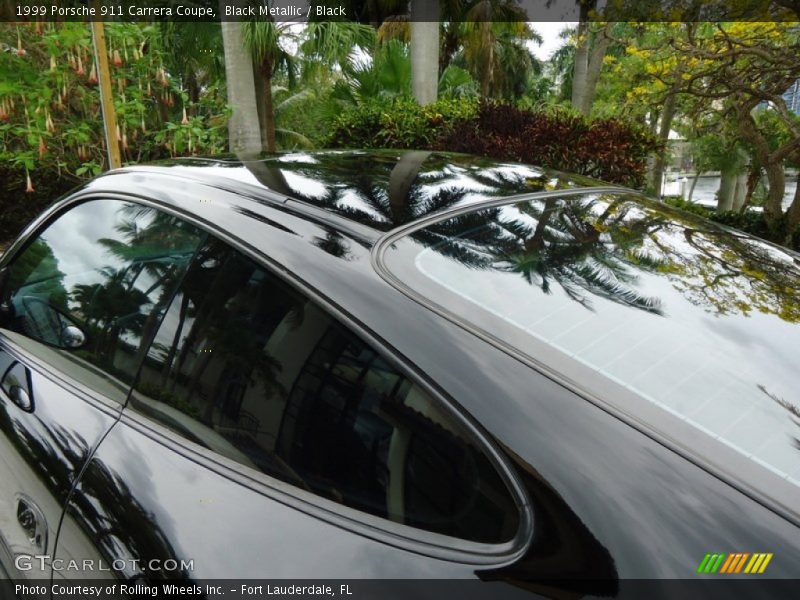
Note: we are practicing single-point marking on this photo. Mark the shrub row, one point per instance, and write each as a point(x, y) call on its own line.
point(398, 123)
point(606, 149)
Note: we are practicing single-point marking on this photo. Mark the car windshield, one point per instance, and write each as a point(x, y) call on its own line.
point(699, 320)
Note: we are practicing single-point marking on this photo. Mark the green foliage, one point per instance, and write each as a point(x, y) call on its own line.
point(398, 123)
point(50, 120)
point(455, 82)
point(716, 152)
point(607, 149)
point(51, 131)
point(776, 132)
point(495, 51)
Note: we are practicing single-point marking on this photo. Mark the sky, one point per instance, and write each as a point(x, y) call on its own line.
point(549, 32)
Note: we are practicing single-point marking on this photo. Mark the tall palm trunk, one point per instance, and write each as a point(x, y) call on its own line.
point(243, 129)
point(425, 50)
point(262, 117)
point(402, 177)
point(269, 108)
point(488, 71)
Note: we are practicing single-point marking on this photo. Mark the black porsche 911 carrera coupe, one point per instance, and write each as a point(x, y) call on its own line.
point(394, 365)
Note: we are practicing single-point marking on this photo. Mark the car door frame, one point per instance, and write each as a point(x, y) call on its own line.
point(108, 406)
point(401, 536)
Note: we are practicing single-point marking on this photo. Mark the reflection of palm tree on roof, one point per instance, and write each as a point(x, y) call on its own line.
point(553, 241)
point(403, 191)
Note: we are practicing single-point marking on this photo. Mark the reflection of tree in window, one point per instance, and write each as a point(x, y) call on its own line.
point(113, 285)
point(361, 433)
point(38, 266)
point(252, 370)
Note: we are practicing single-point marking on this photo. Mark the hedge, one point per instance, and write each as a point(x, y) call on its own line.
point(606, 149)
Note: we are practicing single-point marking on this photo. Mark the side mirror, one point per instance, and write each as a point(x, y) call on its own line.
point(72, 337)
point(49, 324)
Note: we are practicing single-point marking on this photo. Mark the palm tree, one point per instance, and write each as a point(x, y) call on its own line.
point(326, 44)
point(557, 242)
point(495, 54)
point(561, 66)
point(194, 54)
point(245, 138)
point(389, 75)
point(425, 50)
point(330, 46)
point(263, 40)
point(150, 242)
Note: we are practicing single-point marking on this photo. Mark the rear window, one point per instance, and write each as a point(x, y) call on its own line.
point(695, 319)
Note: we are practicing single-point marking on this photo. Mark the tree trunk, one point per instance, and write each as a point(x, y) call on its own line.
point(753, 177)
point(581, 66)
point(260, 100)
point(536, 241)
point(449, 46)
point(694, 184)
point(193, 89)
point(773, 205)
point(776, 177)
point(727, 185)
point(488, 72)
point(425, 50)
point(176, 340)
point(269, 107)
point(243, 132)
point(402, 177)
point(667, 114)
point(792, 216)
point(740, 191)
point(593, 67)
point(271, 177)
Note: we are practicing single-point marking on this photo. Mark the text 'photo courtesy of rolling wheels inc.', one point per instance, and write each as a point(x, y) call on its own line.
point(392, 299)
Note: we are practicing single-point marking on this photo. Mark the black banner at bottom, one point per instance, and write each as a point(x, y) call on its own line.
point(363, 589)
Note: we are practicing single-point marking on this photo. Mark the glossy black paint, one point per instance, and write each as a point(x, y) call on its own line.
point(44, 447)
point(608, 501)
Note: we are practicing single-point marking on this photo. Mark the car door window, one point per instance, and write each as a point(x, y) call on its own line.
point(248, 367)
point(93, 285)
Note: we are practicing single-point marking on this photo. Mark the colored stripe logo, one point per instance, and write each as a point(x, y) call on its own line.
point(734, 562)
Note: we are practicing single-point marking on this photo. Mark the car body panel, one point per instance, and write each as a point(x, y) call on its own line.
point(43, 452)
point(609, 501)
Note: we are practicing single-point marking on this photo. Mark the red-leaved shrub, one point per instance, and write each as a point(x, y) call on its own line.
point(606, 149)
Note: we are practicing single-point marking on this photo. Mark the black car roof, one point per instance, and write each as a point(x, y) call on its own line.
point(380, 189)
point(353, 191)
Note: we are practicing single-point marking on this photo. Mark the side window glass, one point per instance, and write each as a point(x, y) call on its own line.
point(249, 368)
point(94, 284)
